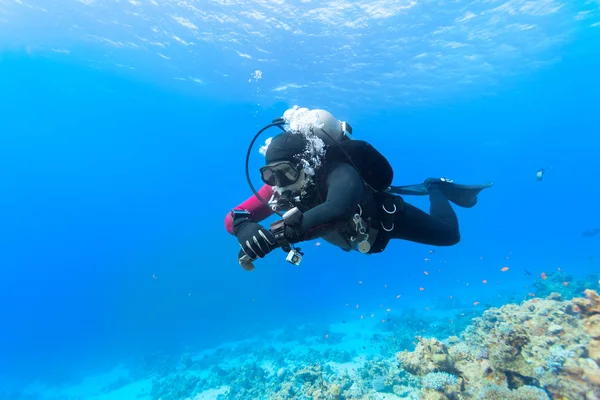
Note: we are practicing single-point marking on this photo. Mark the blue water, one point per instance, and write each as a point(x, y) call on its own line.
point(113, 191)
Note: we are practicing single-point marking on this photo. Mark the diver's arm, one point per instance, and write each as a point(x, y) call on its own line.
point(345, 190)
point(257, 209)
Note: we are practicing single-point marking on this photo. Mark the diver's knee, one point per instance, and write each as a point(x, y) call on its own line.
point(455, 239)
point(450, 239)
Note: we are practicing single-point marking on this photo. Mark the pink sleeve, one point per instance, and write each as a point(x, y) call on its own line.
point(258, 210)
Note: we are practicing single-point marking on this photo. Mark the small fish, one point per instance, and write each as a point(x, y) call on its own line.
point(398, 296)
point(426, 259)
point(484, 281)
point(527, 272)
point(543, 275)
point(504, 269)
point(426, 273)
point(531, 294)
point(565, 284)
point(318, 244)
point(431, 251)
point(360, 282)
point(539, 175)
point(154, 276)
point(591, 233)
point(475, 303)
point(421, 289)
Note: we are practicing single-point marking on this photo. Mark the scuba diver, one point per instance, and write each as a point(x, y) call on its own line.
point(326, 184)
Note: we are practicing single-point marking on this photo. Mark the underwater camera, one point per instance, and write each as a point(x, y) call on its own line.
point(294, 256)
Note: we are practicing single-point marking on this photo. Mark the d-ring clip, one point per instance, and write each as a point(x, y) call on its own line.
point(389, 212)
point(386, 229)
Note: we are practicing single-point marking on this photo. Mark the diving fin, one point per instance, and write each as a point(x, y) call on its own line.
point(461, 195)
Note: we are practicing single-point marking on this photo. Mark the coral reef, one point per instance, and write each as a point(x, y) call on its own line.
point(540, 349)
point(563, 283)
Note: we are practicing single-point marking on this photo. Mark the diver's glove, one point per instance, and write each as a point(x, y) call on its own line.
point(255, 240)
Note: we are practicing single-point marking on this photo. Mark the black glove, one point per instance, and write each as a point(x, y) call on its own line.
point(255, 240)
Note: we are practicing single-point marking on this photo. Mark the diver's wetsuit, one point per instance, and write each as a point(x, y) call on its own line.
point(438, 228)
point(345, 189)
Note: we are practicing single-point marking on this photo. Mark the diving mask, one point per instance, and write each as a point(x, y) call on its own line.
point(280, 174)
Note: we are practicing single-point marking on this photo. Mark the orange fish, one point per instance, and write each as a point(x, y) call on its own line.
point(543, 275)
point(475, 303)
point(504, 269)
point(426, 273)
point(484, 281)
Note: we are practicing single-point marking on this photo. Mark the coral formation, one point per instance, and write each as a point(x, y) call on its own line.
point(563, 283)
point(541, 348)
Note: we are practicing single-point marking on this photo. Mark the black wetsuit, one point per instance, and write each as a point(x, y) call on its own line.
point(342, 188)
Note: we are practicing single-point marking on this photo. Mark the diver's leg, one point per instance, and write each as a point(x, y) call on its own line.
point(438, 228)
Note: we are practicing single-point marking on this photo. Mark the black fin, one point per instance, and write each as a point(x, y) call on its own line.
point(461, 195)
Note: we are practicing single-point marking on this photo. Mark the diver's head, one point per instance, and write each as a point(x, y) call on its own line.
point(320, 123)
point(285, 162)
